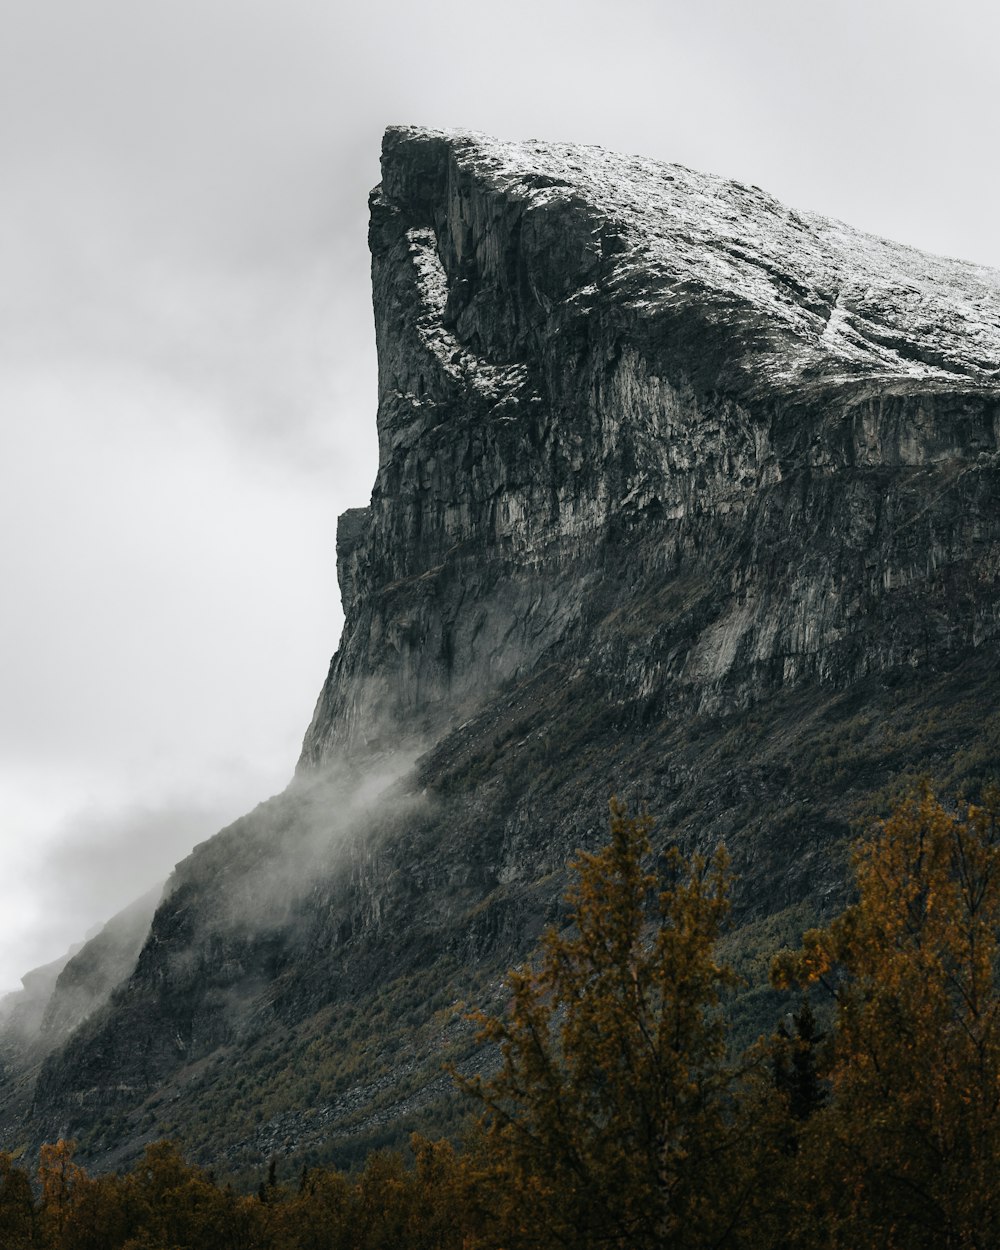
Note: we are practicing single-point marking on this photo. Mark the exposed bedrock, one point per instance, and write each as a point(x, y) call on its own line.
point(598, 372)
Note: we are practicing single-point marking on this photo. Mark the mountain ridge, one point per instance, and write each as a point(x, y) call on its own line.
point(682, 495)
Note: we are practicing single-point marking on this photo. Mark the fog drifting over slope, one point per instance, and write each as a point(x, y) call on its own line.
point(187, 388)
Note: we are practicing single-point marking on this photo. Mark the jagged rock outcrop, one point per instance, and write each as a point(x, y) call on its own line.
point(681, 495)
point(22, 1012)
point(58, 998)
point(584, 355)
point(87, 978)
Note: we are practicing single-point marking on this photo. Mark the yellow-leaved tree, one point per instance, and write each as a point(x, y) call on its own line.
point(907, 1152)
point(612, 1119)
point(17, 1207)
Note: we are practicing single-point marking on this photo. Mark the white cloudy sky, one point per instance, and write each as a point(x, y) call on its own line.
point(186, 353)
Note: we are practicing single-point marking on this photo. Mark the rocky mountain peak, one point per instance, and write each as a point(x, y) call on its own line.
point(682, 496)
point(573, 341)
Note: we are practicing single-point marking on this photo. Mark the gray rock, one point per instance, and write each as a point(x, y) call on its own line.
point(587, 359)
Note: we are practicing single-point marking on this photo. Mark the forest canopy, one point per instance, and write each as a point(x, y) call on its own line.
point(622, 1114)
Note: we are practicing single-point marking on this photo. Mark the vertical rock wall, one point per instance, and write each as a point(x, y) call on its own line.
point(595, 371)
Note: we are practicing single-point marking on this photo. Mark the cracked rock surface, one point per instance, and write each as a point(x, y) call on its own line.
point(582, 353)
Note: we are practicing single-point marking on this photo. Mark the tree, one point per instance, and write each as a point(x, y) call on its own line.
point(795, 1065)
point(611, 1120)
point(60, 1179)
point(179, 1205)
point(102, 1216)
point(908, 1151)
point(17, 1207)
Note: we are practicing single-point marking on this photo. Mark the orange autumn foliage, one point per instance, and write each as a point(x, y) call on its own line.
point(620, 1116)
point(615, 1116)
point(907, 1154)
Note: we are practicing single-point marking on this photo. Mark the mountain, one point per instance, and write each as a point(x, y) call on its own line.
point(55, 999)
point(683, 496)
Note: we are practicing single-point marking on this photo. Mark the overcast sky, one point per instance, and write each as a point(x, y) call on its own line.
point(187, 374)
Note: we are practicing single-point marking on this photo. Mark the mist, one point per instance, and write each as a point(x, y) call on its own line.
point(187, 387)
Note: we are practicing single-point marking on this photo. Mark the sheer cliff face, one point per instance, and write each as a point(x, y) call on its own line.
point(599, 374)
point(682, 496)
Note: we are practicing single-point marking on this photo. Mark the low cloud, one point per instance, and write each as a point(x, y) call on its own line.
point(95, 862)
point(101, 858)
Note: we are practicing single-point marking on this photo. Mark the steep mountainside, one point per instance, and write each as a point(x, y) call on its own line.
point(682, 495)
point(57, 998)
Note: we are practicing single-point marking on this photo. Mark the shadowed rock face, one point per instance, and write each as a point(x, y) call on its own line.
point(58, 998)
point(682, 495)
point(90, 974)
